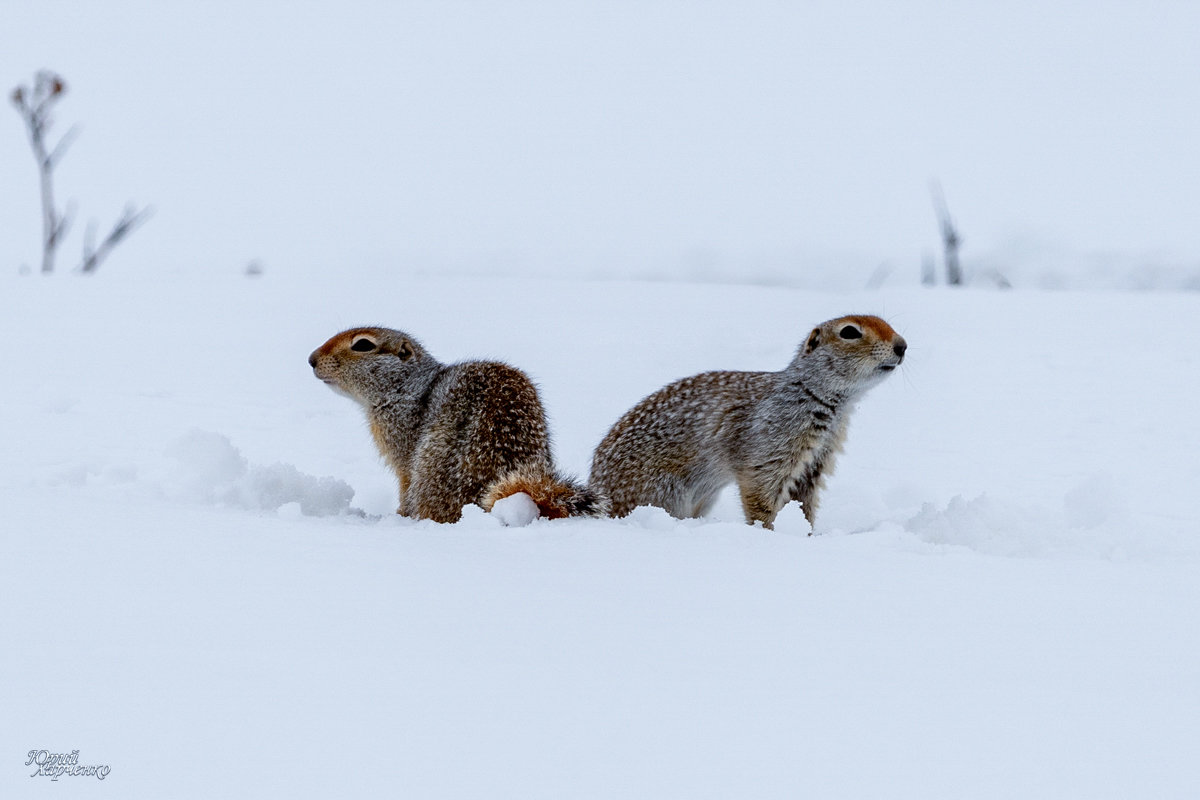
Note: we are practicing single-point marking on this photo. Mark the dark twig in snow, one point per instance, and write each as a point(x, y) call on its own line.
point(34, 104)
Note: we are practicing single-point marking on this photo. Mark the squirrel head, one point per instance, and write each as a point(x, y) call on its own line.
point(854, 352)
point(368, 365)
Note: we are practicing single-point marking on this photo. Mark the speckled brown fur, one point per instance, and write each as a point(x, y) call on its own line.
point(472, 432)
point(775, 434)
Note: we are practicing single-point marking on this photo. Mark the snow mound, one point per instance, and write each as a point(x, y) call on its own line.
point(983, 524)
point(1092, 521)
point(209, 469)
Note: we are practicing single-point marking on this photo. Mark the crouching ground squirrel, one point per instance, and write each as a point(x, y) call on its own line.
point(775, 433)
point(471, 432)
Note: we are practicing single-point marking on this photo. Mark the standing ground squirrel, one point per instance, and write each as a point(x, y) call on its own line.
point(472, 432)
point(774, 433)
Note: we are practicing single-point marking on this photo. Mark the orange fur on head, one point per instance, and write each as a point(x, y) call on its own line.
point(880, 328)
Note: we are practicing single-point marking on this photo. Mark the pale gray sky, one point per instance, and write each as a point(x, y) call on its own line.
point(626, 137)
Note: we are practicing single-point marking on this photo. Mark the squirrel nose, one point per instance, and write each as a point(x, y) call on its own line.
point(899, 347)
point(312, 360)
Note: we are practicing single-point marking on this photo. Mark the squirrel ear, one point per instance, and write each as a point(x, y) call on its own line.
point(814, 339)
point(405, 350)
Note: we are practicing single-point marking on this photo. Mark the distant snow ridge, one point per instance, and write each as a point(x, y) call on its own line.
point(209, 469)
point(1092, 520)
point(982, 524)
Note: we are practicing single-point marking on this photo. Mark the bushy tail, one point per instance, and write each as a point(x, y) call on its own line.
point(555, 495)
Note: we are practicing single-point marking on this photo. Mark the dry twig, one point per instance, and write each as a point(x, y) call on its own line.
point(34, 103)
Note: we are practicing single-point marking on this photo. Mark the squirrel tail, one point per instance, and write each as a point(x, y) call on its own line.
point(554, 494)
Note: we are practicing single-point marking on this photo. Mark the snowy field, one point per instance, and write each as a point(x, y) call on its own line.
point(205, 590)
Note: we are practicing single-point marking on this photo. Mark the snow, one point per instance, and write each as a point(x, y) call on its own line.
point(209, 469)
point(204, 584)
point(207, 590)
point(516, 510)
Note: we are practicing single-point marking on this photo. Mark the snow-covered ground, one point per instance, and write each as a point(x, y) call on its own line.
point(204, 587)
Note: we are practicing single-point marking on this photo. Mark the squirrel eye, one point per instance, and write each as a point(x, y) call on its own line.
point(362, 345)
point(850, 332)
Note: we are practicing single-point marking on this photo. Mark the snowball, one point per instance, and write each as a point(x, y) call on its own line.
point(516, 510)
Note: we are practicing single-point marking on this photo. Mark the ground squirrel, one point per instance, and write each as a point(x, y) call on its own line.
point(774, 433)
point(471, 432)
